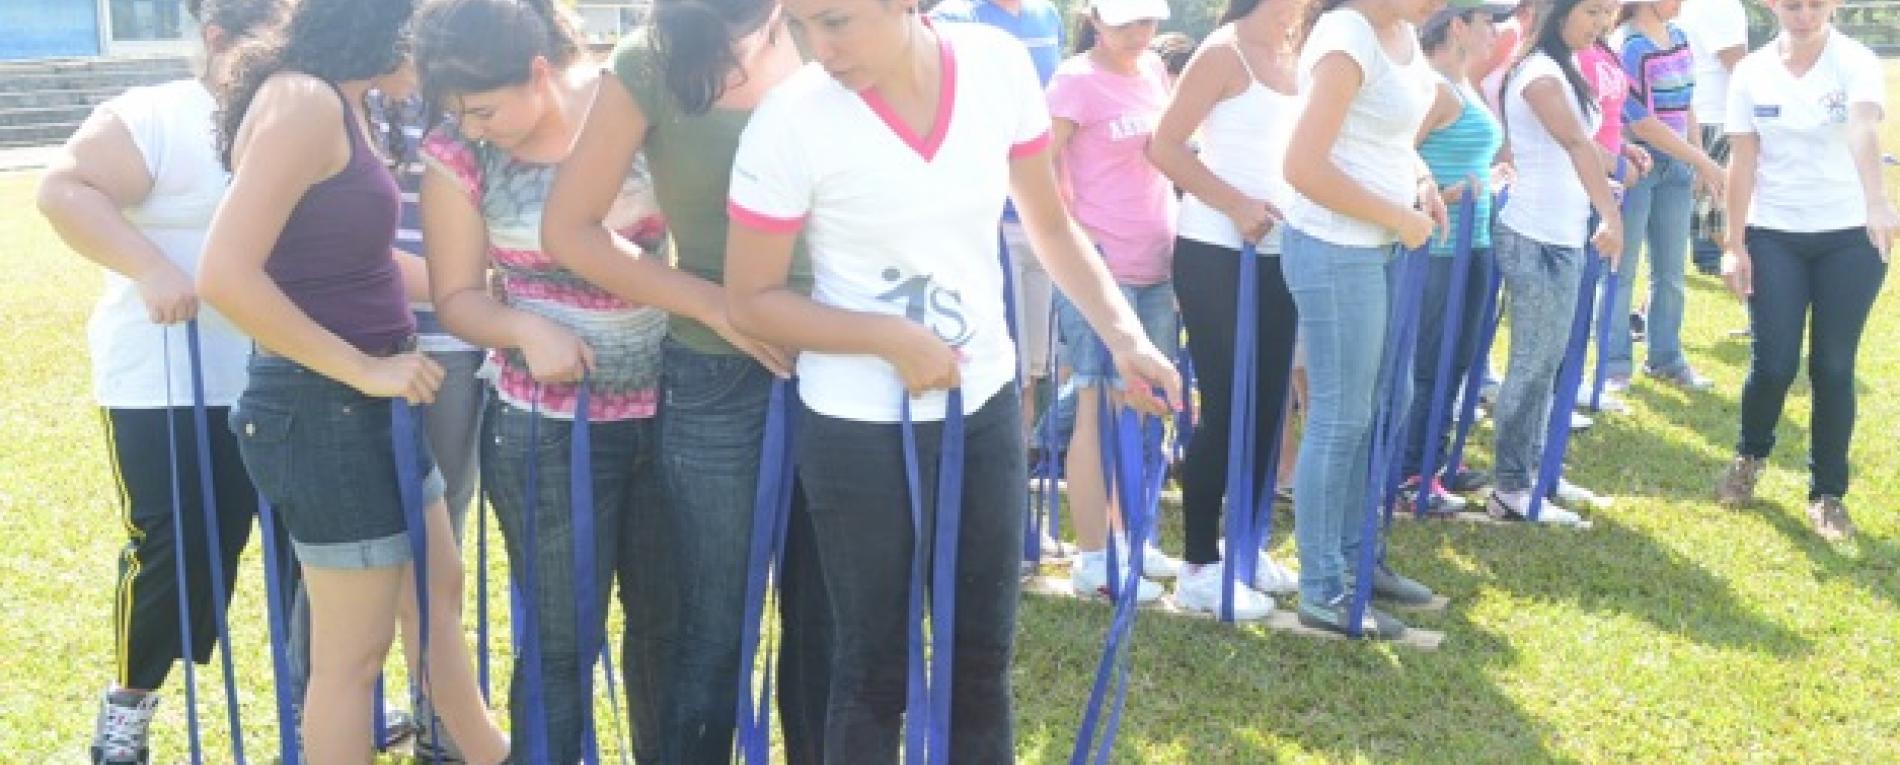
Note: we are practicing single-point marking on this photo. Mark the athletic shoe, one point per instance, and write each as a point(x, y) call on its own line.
point(1616, 384)
point(1684, 377)
point(1516, 506)
point(122, 733)
point(1572, 494)
point(1581, 422)
point(1737, 485)
point(1391, 587)
point(1155, 564)
point(1830, 519)
point(1608, 403)
point(1639, 325)
point(1274, 579)
point(1333, 616)
point(1439, 502)
point(1466, 480)
point(1200, 588)
point(1089, 578)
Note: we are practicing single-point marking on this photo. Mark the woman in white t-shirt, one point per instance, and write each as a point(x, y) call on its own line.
point(1810, 232)
point(891, 154)
point(134, 190)
point(1550, 115)
point(1361, 191)
point(1237, 93)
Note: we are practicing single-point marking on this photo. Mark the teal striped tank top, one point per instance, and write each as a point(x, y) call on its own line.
point(1464, 151)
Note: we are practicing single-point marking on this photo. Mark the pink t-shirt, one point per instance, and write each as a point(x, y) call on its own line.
point(1604, 69)
point(1124, 203)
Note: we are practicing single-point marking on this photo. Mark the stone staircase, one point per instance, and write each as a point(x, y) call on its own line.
point(42, 101)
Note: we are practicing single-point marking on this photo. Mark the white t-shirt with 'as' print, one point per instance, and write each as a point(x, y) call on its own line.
point(897, 223)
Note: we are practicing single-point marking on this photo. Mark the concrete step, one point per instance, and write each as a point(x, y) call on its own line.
point(46, 98)
point(129, 63)
point(35, 135)
point(85, 80)
point(71, 114)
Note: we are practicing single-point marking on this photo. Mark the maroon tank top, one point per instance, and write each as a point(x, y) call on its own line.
point(334, 256)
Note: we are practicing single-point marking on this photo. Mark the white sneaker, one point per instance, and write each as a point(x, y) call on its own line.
point(1200, 588)
point(1155, 564)
point(1608, 403)
point(1089, 578)
point(1572, 494)
point(1581, 421)
point(1274, 579)
point(1516, 506)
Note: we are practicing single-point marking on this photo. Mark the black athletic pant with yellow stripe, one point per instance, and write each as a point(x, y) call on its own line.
point(145, 599)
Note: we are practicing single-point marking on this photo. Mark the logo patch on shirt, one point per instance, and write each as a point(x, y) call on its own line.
point(1835, 102)
point(1767, 111)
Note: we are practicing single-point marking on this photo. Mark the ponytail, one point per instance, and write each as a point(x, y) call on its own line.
point(693, 39)
point(1085, 38)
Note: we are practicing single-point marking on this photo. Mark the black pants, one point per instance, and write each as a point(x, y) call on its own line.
point(1432, 337)
point(1835, 277)
point(145, 599)
point(1206, 277)
point(853, 476)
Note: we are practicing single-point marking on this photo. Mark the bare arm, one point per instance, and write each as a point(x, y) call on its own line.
point(1547, 99)
point(1863, 139)
point(1083, 277)
point(1309, 165)
point(290, 139)
point(574, 232)
point(96, 175)
point(1208, 78)
point(1744, 158)
point(1060, 131)
point(1652, 132)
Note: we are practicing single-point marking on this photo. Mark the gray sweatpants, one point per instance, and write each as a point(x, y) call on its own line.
point(1540, 281)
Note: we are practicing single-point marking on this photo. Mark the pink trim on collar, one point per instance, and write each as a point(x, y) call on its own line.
point(925, 146)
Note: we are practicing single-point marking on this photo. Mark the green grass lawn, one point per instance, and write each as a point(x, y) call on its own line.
point(1673, 631)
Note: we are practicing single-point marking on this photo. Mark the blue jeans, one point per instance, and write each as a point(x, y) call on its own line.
point(1656, 212)
point(1540, 281)
point(631, 542)
point(1344, 296)
point(1153, 305)
point(711, 427)
point(1431, 343)
point(853, 474)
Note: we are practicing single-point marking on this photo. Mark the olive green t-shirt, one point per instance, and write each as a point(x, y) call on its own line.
point(690, 157)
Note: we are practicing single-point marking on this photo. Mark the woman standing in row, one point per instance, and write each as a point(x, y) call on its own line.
point(1361, 199)
point(516, 100)
point(891, 156)
point(299, 257)
point(681, 94)
point(1811, 231)
point(1237, 94)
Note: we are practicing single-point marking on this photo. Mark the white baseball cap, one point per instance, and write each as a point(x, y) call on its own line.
point(1118, 12)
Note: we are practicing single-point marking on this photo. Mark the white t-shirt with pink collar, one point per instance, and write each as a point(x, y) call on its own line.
point(1126, 205)
point(897, 223)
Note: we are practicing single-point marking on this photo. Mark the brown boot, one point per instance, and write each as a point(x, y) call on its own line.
point(1830, 519)
point(1737, 484)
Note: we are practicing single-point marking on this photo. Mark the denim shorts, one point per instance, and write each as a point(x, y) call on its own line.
point(323, 455)
point(1089, 357)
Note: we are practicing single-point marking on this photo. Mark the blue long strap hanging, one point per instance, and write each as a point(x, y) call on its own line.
point(1136, 475)
point(208, 500)
point(1612, 278)
point(1564, 398)
point(1393, 428)
point(771, 514)
point(929, 684)
point(277, 622)
point(188, 646)
point(589, 622)
point(1490, 314)
point(1401, 317)
point(1453, 323)
point(404, 433)
point(1239, 564)
point(527, 611)
point(1045, 513)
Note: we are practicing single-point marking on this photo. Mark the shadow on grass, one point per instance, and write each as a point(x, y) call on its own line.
point(1207, 693)
point(1869, 562)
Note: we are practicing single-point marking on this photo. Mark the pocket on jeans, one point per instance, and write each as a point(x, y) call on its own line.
point(263, 434)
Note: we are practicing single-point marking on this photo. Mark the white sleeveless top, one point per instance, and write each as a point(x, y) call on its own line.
point(1244, 142)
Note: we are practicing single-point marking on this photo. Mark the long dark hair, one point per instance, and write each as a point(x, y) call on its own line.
point(474, 46)
point(694, 41)
point(1549, 40)
point(335, 41)
point(1235, 10)
point(238, 18)
point(1085, 38)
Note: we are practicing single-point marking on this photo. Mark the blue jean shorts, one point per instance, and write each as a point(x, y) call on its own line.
point(323, 455)
point(1089, 357)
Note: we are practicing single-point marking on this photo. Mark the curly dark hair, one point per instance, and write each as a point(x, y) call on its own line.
point(238, 18)
point(335, 41)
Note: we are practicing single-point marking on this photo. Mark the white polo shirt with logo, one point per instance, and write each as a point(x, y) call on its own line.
point(1805, 178)
point(897, 223)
